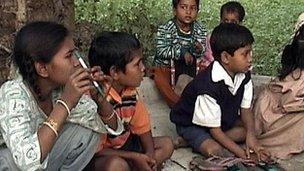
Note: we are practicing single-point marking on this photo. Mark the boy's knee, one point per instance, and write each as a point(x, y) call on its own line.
point(168, 146)
point(114, 163)
point(210, 147)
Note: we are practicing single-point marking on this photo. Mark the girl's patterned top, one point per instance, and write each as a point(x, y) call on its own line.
point(21, 117)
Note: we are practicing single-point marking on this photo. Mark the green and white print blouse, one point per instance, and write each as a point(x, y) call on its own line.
point(21, 117)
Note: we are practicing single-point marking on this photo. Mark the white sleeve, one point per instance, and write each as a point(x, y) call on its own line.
point(248, 93)
point(19, 136)
point(207, 112)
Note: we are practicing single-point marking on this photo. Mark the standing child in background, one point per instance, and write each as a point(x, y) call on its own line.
point(214, 112)
point(231, 12)
point(120, 56)
point(179, 43)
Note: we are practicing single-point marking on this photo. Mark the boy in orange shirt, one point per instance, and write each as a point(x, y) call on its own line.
point(120, 56)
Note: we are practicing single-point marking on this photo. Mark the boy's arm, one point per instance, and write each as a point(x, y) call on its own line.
point(248, 120)
point(140, 125)
point(167, 47)
point(251, 140)
point(199, 45)
point(225, 141)
point(147, 143)
point(207, 113)
point(247, 116)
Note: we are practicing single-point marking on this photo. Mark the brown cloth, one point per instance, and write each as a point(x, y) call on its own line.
point(279, 115)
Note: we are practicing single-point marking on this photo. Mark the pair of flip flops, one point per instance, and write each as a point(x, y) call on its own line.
point(216, 163)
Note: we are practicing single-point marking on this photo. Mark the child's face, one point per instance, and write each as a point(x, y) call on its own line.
point(230, 17)
point(134, 71)
point(241, 60)
point(186, 11)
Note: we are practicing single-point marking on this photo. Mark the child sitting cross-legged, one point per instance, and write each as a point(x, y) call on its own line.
point(120, 56)
point(180, 43)
point(214, 112)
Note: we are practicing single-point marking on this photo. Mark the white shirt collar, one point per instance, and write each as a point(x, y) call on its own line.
point(218, 73)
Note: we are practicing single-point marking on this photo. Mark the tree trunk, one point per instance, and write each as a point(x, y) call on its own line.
point(15, 13)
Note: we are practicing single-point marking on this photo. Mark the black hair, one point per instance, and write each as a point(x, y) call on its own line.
point(112, 49)
point(293, 54)
point(233, 7)
point(175, 3)
point(36, 42)
point(229, 37)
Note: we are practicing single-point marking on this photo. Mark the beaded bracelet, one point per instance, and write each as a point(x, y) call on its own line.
point(52, 125)
point(65, 106)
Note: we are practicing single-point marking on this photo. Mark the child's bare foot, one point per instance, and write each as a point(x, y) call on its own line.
point(179, 142)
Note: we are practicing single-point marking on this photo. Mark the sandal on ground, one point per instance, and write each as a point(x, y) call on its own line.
point(199, 164)
point(219, 163)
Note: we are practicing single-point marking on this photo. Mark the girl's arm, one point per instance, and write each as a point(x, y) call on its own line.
point(225, 141)
point(105, 109)
point(77, 84)
point(107, 113)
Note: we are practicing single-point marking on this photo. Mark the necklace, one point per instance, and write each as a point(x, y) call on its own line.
point(185, 32)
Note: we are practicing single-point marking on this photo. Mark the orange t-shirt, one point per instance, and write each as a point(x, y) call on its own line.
point(133, 113)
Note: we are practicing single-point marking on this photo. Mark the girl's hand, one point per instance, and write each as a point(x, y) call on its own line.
point(143, 162)
point(103, 80)
point(78, 83)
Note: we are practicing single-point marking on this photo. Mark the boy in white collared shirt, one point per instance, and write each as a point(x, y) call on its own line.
point(214, 110)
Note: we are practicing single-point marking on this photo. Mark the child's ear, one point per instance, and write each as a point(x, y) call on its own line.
point(114, 73)
point(225, 57)
point(41, 69)
point(174, 11)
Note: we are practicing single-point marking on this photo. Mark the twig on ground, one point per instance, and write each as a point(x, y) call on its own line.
point(178, 164)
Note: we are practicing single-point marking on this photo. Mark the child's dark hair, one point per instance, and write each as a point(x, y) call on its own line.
point(112, 49)
point(175, 3)
point(233, 7)
point(293, 54)
point(37, 42)
point(229, 37)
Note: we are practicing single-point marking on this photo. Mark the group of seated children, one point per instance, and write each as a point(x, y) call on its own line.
point(207, 113)
point(213, 112)
point(183, 46)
